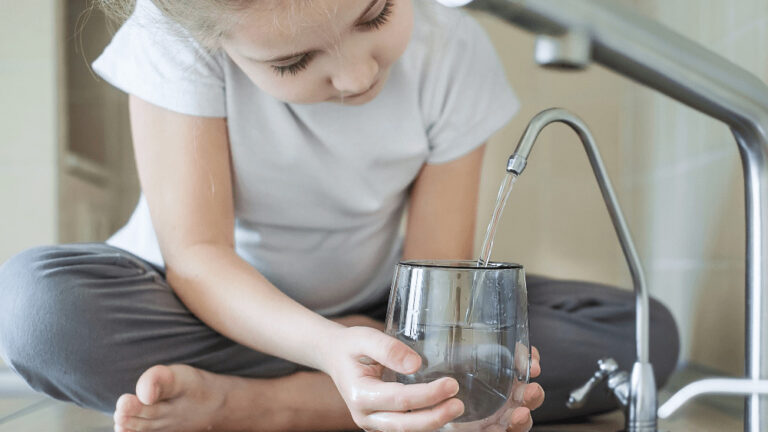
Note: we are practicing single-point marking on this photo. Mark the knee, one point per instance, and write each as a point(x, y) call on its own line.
point(664, 341)
point(21, 298)
point(46, 318)
point(29, 311)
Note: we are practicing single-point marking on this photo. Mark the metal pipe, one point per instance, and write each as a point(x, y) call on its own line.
point(726, 386)
point(641, 410)
point(652, 54)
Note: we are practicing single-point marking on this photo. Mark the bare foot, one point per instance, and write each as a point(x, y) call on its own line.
point(181, 398)
point(172, 398)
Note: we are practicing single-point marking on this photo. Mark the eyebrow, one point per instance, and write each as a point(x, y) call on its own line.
point(303, 53)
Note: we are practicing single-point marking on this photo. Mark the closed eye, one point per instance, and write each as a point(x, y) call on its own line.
point(380, 20)
point(295, 67)
point(303, 62)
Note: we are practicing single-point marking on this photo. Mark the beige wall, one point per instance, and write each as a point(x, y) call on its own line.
point(676, 173)
point(29, 126)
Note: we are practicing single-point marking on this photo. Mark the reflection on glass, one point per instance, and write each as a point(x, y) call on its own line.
point(486, 349)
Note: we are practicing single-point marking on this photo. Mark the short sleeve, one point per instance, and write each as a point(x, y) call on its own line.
point(467, 97)
point(154, 59)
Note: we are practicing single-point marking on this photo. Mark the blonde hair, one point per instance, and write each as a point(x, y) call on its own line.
point(205, 20)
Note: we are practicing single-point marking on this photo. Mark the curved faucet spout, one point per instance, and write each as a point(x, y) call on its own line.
point(516, 165)
point(641, 406)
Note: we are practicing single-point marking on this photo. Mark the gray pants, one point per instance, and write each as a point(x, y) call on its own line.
point(81, 322)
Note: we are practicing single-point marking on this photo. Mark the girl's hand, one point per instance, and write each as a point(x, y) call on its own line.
point(356, 363)
point(519, 419)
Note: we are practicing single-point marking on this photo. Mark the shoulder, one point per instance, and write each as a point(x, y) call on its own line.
point(149, 18)
point(441, 28)
point(155, 59)
point(445, 42)
point(149, 31)
point(464, 95)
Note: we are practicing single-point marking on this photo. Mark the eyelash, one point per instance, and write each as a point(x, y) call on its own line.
point(303, 62)
point(380, 20)
point(295, 68)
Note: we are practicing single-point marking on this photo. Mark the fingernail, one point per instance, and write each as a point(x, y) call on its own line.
point(453, 387)
point(461, 411)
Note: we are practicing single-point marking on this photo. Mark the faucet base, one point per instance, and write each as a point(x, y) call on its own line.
point(641, 410)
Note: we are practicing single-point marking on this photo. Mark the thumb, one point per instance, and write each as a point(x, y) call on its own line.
point(389, 352)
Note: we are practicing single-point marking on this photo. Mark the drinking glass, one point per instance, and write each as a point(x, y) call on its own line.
point(468, 322)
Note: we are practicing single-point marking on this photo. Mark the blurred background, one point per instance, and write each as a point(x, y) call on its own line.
point(67, 172)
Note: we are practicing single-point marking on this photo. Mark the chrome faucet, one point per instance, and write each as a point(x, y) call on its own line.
point(640, 403)
point(572, 33)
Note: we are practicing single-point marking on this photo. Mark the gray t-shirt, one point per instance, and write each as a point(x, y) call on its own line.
point(320, 189)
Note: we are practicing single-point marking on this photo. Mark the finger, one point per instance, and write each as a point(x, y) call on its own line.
point(535, 362)
point(425, 420)
point(379, 396)
point(388, 351)
point(519, 420)
point(533, 396)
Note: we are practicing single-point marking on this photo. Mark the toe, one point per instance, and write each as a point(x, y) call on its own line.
point(156, 384)
point(122, 429)
point(133, 416)
point(132, 424)
point(127, 405)
point(130, 406)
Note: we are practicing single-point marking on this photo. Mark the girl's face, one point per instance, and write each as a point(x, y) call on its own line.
point(310, 51)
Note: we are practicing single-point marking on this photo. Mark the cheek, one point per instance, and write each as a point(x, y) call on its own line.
point(397, 35)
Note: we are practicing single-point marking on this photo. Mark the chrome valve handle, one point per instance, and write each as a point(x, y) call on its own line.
point(607, 367)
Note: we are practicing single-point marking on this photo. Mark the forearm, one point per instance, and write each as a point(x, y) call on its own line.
point(459, 247)
point(441, 216)
point(233, 298)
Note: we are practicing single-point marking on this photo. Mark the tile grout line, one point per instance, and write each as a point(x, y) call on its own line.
point(24, 411)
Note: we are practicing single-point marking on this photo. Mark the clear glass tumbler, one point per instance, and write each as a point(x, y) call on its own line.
point(468, 322)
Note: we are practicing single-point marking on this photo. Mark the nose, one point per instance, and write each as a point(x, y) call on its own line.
point(355, 75)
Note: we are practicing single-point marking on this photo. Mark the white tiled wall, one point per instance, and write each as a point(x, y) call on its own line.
point(28, 125)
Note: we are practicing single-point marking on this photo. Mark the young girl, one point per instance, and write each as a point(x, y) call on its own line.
point(277, 144)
